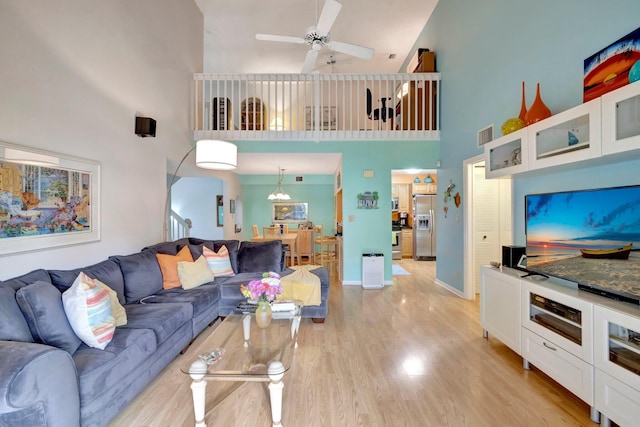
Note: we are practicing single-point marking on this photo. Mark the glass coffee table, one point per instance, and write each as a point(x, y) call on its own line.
point(244, 352)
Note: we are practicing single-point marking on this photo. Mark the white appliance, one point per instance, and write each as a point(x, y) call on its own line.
point(424, 227)
point(396, 244)
point(372, 271)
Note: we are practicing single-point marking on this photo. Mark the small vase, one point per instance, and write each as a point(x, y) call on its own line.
point(523, 106)
point(538, 110)
point(263, 314)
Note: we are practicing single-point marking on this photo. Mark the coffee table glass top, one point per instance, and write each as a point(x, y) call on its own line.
point(239, 348)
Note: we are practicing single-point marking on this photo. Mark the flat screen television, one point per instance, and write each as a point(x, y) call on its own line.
point(590, 237)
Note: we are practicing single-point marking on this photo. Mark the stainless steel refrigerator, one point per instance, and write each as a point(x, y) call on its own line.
point(424, 227)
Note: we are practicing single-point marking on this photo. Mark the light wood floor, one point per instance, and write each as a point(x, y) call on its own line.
point(411, 354)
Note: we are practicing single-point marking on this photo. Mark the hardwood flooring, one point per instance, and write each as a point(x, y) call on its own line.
point(411, 354)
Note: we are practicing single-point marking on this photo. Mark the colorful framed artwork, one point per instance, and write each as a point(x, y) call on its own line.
point(47, 199)
point(290, 212)
point(327, 118)
point(612, 67)
point(219, 211)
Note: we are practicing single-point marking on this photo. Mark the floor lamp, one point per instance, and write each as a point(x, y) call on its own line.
point(210, 154)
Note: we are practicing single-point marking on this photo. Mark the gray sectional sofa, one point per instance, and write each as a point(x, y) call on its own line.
point(48, 377)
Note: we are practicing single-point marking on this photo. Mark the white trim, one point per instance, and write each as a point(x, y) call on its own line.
point(450, 288)
point(352, 282)
point(467, 215)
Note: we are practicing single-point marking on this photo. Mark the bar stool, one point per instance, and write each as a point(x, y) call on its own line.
point(327, 256)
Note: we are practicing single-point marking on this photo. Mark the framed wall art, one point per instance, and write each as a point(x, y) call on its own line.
point(327, 119)
point(47, 199)
point(290, 212)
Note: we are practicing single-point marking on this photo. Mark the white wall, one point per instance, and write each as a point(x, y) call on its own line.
point(195, 198)
point(74, 75)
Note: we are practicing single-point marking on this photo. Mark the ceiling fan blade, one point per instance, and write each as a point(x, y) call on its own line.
point(352, 49)
point(328, 17)
point(310, 61)
point(284, 39)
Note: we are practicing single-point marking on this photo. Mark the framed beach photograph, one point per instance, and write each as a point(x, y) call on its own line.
point(47, 199)
point(327, 119)
point(290, 212)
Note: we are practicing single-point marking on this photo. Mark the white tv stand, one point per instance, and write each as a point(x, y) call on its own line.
point(587, 343)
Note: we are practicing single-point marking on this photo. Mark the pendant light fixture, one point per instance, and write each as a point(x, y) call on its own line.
point(279, 193)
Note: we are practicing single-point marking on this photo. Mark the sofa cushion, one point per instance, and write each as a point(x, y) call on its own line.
point(218, 262)
point(215, 245)
point(88, 309)
point(260, 256)
point(141, 273)
point(41, 305)
point(101, 370)
point(194, 274)
point(169, 248)
point(200, 298)
point(29, 278)
point(108, 272)
point(13, 326)
point(169, 267)
point(163, 319)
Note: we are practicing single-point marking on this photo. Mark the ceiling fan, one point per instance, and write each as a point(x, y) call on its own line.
point(318, 36)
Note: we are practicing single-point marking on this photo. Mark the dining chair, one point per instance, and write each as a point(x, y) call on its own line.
point(254, 229)
point(271, 233)
point(285, 228)
point(305, 245)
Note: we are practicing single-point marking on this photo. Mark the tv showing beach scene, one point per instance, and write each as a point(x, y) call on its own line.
point(591, 237)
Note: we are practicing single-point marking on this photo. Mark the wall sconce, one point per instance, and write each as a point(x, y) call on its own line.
point(145, 126)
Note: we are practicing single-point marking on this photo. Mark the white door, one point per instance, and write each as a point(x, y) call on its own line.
point(488, 222)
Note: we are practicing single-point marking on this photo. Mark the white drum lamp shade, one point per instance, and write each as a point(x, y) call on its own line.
point(216, 154)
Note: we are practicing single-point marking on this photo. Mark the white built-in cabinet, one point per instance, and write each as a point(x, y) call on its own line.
point(592, 131)
point(621, 120)
point(587, 343)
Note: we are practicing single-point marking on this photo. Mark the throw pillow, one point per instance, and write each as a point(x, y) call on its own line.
point(260, 256)
point(88, 309)
point(194, 274)
point(218, 262)
point(117, 310)
point(41, 305)
point(169, 267)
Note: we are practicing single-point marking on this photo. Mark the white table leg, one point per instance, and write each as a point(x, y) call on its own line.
point(276, 373)
point(246, 329)
point(198, 389)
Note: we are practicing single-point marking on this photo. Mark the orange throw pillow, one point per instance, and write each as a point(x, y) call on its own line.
point(169, 267)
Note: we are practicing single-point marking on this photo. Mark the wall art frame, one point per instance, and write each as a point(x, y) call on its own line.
point(327, 120)
point(289, 212)
point(47, 199)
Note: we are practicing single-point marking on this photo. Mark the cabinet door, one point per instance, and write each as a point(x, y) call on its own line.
point(507, 155)
point(621, 119)
point(571, 136)
point(617, 339)
point(407, 244)
point(404, 195)
point(500, 306)
point(394, 190)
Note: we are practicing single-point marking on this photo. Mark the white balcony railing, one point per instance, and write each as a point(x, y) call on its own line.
point(317, 107)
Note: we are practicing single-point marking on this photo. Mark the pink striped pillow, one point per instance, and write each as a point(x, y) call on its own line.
point(88, 310)
point(218, 262)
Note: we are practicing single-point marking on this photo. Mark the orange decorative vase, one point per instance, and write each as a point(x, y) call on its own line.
point(523, 106)
point(538, 111)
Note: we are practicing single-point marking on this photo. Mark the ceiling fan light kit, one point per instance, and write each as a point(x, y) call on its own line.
point(318, 36)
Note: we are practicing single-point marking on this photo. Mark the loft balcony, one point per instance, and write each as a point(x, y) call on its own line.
point(317, 107)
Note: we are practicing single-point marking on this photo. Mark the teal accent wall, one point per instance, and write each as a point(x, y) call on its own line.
point(316, 190)
point(370, 230)
point(484, 51)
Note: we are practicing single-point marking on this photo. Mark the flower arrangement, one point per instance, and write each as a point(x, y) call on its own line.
point(263, 290)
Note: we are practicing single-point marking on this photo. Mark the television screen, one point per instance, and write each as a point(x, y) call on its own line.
point(590, 237)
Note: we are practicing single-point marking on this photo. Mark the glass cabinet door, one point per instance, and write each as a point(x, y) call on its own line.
point(621, 119)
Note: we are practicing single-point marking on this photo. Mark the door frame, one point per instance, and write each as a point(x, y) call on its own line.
point(467, 195)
